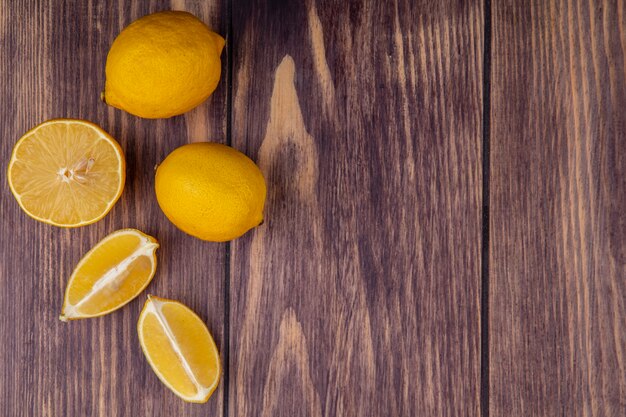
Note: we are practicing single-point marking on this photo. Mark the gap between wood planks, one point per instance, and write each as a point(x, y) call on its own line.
point(484, 287)
point(229, 142)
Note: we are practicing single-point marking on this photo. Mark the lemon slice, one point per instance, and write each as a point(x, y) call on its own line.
point(66, 173)
point(179, 348)
point(110, 275)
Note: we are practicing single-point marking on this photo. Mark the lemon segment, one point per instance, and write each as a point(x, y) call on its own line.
point(110, 275)
point(179, 348)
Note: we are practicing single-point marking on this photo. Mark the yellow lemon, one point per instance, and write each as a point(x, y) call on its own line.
point(211, 191)
point(163, 65)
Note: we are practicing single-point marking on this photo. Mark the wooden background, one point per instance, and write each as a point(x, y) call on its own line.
point(445, 229)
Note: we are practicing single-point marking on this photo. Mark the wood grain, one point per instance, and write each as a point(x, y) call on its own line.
point(53, 55)
point(558, 199)
point(359, 296)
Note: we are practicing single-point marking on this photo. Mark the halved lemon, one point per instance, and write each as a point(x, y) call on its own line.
point(179, 348)
point(66, 172)
point(110, 275)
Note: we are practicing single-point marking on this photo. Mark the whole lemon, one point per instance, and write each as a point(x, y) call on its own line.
point(211, 191)
point(163, 65)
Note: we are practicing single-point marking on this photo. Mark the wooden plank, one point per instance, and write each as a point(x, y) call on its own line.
point(53, 55)
point(360, 294)
point(558, 194)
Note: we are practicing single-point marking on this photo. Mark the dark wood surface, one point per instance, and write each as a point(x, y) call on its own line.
point(362, 294)
point(558, 209)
